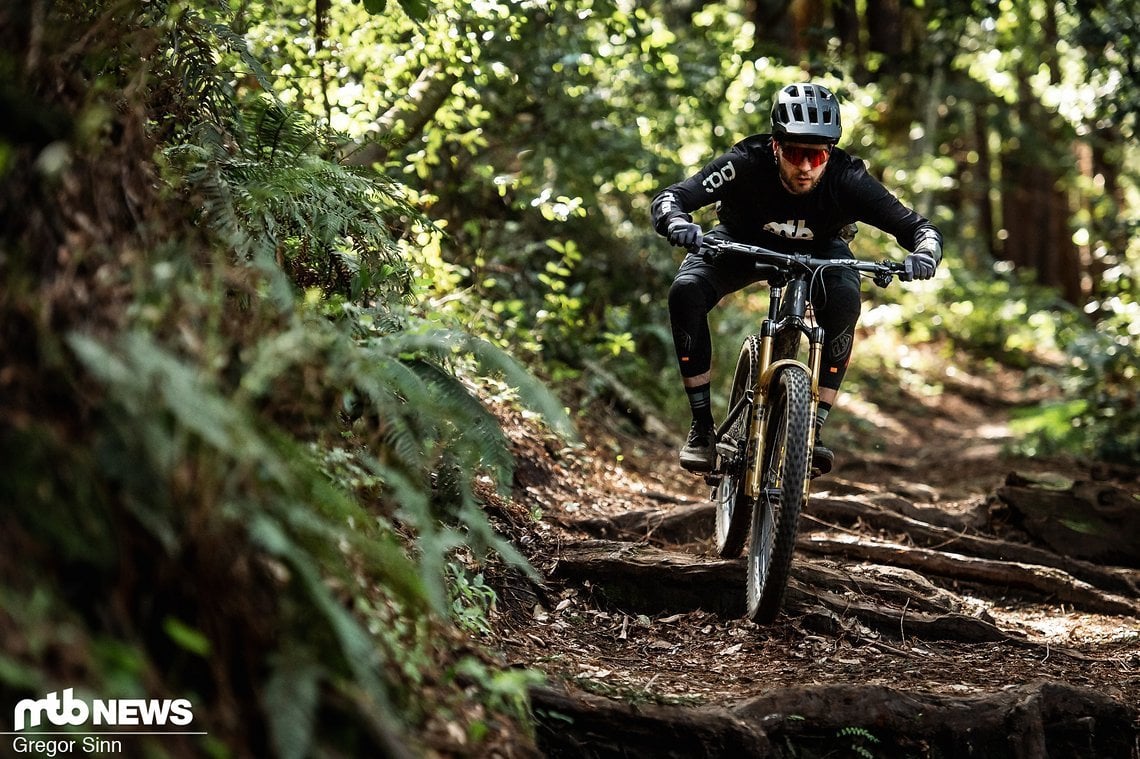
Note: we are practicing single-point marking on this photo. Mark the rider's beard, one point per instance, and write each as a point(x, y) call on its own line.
point(791, 179)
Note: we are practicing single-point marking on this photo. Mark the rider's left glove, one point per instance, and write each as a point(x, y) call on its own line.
point(919, 265)
point(923, 262)
point(685, 234)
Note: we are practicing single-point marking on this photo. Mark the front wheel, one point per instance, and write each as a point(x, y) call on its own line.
point(733, 506)
point(784, 484)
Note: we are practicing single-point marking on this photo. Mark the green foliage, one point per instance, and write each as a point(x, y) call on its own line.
point(1110, 33)
point(1025, 326)
point(1090, 366)
point(860, 740)
point(1098, 413)
point(471, 599)
point(247, 416)
point(993, 315)
point(416, 9)
point(259, 172)
point(507, 688)
point(161, 416)
point(278, 203)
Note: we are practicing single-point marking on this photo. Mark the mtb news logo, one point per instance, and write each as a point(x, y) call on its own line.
point(105, 717)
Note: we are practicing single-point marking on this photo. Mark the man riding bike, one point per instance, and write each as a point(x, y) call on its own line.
point(794, 191)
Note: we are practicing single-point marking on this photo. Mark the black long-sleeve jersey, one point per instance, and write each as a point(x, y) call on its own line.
point(756, 208)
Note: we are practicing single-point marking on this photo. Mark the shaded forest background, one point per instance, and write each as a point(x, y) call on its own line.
point(264, 265)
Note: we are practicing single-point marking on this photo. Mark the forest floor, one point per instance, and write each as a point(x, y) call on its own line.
point(906, 629)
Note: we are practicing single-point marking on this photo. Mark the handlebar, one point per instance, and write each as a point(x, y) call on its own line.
point(882, 271)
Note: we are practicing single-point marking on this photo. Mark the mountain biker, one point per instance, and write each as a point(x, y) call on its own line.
point(794, 191)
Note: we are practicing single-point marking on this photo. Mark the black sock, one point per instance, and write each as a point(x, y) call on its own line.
point(700, 402)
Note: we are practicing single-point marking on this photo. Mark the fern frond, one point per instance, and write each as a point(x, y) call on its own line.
point(446, 344)
point(257, 169)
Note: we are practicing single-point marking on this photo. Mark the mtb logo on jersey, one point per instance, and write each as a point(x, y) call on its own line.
point(719, 177)
point(793, 229)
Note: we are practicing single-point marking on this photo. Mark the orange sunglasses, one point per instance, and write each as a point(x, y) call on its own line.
point(796, 155)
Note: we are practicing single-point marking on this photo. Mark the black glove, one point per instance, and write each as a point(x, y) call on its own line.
point(919, 265)
point(685, 234)
point(923, 262)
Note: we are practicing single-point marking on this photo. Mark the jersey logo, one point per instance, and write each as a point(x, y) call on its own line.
point(719, 177)
point(793, 229)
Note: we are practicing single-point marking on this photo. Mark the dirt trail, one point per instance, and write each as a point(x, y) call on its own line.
point(919, 620)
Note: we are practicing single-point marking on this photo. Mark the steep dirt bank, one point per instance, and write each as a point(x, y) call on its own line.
point(921, 620)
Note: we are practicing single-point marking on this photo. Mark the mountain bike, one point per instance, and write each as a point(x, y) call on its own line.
point(762, 474)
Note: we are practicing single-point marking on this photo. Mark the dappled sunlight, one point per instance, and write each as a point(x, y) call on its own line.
point(1057, 626)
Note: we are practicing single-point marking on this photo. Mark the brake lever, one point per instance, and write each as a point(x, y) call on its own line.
point(883, 277)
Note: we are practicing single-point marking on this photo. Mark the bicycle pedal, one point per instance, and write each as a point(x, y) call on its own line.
point(727, 450)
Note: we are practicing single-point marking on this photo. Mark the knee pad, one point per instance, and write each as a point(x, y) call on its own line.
point(690, 293)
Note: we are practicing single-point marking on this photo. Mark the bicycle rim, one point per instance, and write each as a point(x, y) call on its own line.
point(733, 506)
point(775, 518)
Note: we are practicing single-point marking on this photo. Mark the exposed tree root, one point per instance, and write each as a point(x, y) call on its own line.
point(849, 510)
point(1097, 521)
point(577, 724)
point(650, 580)
point(1027, 721)
point(1046, 580)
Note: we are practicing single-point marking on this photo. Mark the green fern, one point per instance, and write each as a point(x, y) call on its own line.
point(860, 735)
point(326, 225)
point(420, 424)
point(259, 172)
point(162, 412)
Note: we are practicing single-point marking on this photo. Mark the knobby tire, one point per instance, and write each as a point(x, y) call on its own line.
point(776, 513)
point(733, 506)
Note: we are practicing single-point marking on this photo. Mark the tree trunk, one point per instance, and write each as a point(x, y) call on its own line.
point(790, 24)
point(884, 28)
point(845, 17)
point(982, 175)
point(1035, 208)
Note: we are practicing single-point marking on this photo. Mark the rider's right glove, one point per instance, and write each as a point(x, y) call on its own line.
point(685, 234)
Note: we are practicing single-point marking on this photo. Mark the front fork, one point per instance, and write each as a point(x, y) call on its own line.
point(767, 374)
